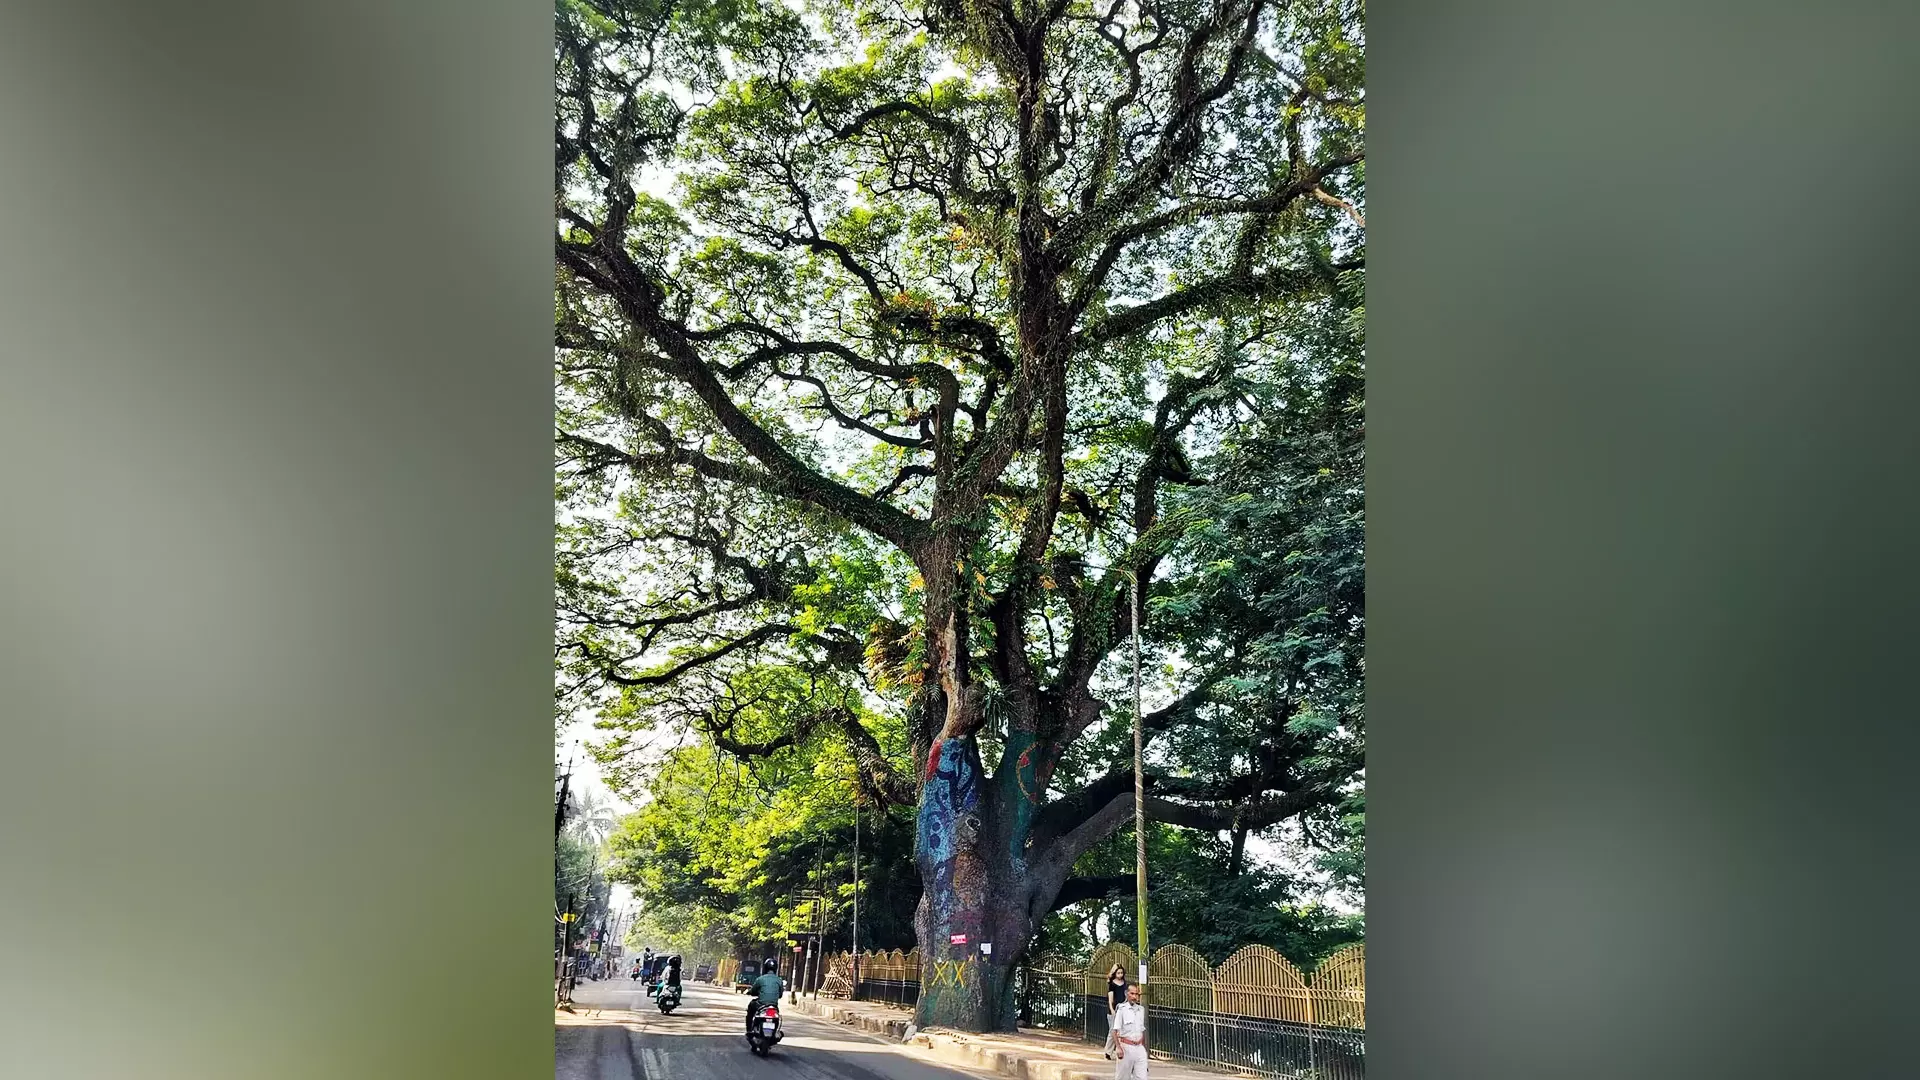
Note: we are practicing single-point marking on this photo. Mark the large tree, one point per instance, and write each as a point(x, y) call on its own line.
point(887, 391)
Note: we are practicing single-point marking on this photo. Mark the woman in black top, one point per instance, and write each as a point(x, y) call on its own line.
point(1116, 993)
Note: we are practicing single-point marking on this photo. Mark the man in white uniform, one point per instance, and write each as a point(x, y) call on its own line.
point(1130, 1036)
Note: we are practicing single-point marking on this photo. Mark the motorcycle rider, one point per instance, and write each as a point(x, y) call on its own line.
point(766, 990)
point(670, 979)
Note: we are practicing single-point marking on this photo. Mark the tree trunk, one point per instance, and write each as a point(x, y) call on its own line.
point(976, 886)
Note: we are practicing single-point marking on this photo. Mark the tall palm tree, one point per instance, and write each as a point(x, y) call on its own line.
point(594, 817)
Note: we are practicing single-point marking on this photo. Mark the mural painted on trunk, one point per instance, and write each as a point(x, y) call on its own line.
point(949, 836)
point(1027, 765)
point(949, 829)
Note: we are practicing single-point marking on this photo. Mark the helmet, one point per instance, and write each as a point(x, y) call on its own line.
point(768, 967)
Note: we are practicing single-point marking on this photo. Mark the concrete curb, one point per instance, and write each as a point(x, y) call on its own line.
point(955, 1050)
point(891, 1027)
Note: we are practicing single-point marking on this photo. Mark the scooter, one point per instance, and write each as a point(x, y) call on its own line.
point(763, 1029)
point(669, 999)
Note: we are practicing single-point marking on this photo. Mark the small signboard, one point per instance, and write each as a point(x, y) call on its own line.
point(986, 948)
point(957, 939)
point(797, 948)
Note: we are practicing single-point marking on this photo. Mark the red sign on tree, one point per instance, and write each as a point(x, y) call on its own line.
point(957, 939)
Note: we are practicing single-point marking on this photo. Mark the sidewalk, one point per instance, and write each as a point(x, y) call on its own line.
point(1030, 1055)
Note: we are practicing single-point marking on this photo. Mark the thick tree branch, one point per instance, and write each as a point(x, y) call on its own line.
point(793, 480)
point(1107, 149)
point(1194, 210)
point(1255, 814)
point(1231, 286)
point(878, 779)
point(764, 583)
point(1075, 809)
point(1094, 635)
point(962, 148)
point(1080, 890)
point(1105, 817)
point(851, 423)
point(640, 298)
point(1180, 137)
point(907, 472)
point(1341, 205)
point(667, 675)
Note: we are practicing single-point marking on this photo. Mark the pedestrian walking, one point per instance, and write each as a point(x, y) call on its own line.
point(1116, 997)
point(1130, 1032)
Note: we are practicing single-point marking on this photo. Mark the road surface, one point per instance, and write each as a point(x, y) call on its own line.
point(619, 1034)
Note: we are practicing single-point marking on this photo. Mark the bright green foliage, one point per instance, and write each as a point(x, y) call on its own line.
point(1275, 570)
point(1345, 843)
point(1200, 898)
point(723, 853)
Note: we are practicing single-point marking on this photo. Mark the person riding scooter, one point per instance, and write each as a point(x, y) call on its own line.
point(659, 979)
point(766, 990)
point(669, 996)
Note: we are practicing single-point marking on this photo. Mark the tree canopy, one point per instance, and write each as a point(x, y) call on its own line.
point(724, 856)
point(895, 342)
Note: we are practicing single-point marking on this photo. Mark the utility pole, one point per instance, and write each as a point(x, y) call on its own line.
point(1139, 795)
point(819, 908)
point(820, 949)
point(806, 950)
point(856, 894)
point(566, 950)
point(560, 804)
point(810, 958)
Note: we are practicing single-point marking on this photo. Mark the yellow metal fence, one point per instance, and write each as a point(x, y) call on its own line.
point(1256, 983)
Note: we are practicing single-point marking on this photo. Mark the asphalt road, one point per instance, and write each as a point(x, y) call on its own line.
point(619, 1034)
